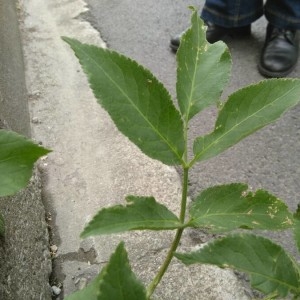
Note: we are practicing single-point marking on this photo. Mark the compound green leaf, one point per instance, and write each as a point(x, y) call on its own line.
point(227, 207)
point(17, 157)
point(203, 70)
point(270, 268)
point(246, 111)
point(139, 214)
point(137, 102)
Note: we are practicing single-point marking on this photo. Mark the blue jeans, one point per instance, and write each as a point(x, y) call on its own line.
point(283, 14)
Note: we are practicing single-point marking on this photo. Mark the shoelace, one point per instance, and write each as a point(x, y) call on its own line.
point(284, 33)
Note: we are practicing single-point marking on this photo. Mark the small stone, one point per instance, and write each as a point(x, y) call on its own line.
point(53, 248)
point(35, 120)
point(48, 216)
point(55, 290)
point(36, 93)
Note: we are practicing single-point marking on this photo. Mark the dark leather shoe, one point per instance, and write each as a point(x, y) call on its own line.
point(280, 52)
point(215, 33)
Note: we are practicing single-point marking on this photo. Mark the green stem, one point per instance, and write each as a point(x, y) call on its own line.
point(152, 286)
point(184, 194)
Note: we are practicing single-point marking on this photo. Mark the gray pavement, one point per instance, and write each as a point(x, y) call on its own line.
point(93, 166)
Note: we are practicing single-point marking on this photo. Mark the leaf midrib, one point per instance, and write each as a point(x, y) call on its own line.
point(231, 214)
point(193, 80)
point(175, 222)
point(238, 124)
point(268, 277)
point(132, 103)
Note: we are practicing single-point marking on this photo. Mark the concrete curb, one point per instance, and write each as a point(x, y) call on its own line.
point(25, 263)
point(13, 96)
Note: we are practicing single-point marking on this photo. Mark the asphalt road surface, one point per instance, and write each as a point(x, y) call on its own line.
point(269, 159)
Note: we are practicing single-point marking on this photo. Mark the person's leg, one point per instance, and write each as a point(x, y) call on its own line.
point(234, 13)
point(227, 17)
point(280, 52)
point(283, 14)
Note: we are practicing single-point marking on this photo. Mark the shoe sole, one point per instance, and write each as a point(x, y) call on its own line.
point(267, 73)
